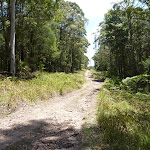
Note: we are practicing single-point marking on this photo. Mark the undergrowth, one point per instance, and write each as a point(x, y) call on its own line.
point(46, 85)
point(124, 119)
point(100, 75)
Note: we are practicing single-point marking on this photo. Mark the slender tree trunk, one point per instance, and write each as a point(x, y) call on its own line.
point(133, 65)
point(110, 61)
point(6, 63)
point(12, 39)
point(71, 62)
point(3, 33)
point(60, 59)
point(123, 62)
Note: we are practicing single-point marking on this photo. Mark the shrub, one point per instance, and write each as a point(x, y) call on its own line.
point(100, 75)
point(140, 83)
point(25, 73)
point(146, 65)
point(115, 80)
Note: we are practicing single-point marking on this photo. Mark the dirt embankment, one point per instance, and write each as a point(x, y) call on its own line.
point(55, 124)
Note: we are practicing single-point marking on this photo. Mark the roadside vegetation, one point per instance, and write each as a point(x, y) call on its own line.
point(50, 36)
point(123, 117)
point(122, 59)
point(45, 85)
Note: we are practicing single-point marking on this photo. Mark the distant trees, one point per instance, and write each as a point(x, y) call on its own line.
point(124, 39)
point(73, 43)
point(50, 35)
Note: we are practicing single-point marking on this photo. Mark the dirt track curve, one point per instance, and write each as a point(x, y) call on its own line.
point(55, 124)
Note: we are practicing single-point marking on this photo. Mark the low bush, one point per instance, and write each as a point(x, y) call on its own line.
point(25, 73)
point(114, 80)
point(140, 83)
point(100, 75)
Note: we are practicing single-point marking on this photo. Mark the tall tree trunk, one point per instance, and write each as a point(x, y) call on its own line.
point(2, 18)
point(110, 61)
point(71, 62)
point(6, 63)
point(3, 33)
point(12, 39)
point(61, 55)
point(123, 62)
point(133, 65)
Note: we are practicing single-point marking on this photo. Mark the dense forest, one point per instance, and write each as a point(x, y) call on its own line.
point(124, 40)
point(50, 36)
point(42, 56)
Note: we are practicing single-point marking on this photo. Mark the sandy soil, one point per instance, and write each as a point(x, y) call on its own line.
point(55, 124)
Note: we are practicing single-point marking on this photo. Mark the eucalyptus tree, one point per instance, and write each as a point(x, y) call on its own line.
point(35, 36)
point(46, 37)
point(125, 33)
point(137, 19)
point(126, 7)
point(73, 43)
point(112, 41)
point(12, 39)
point(5, 15)
point(31, 18)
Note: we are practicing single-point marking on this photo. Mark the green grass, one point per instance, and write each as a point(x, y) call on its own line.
point(43, 87)
point(124, 119)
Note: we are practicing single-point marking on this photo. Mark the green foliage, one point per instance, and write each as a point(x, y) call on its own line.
point(41, 66)
point(91, 137)
point(100, 75)
point(24, 71)
point(73, 43)
point(146, 65)
point(114, 80)
point(101, 59)
point(50, 35)
point(140, 83)
point(123, 39)
point(90, 68)
point(124, 120)
point(1, 40)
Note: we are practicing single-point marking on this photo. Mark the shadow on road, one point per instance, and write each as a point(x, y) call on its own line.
point(96, 80)
point(40, 134)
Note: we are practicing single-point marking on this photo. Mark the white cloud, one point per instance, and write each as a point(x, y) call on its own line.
point(94, 8)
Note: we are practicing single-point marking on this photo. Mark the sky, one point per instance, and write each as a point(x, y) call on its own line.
point(94, 11)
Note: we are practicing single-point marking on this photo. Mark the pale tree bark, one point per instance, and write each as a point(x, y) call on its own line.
point(12, 39)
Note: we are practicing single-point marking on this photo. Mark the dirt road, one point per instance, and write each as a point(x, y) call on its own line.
point(55, 124)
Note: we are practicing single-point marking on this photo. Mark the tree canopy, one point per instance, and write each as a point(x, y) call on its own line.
point(50, 35)
point(124, 39)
